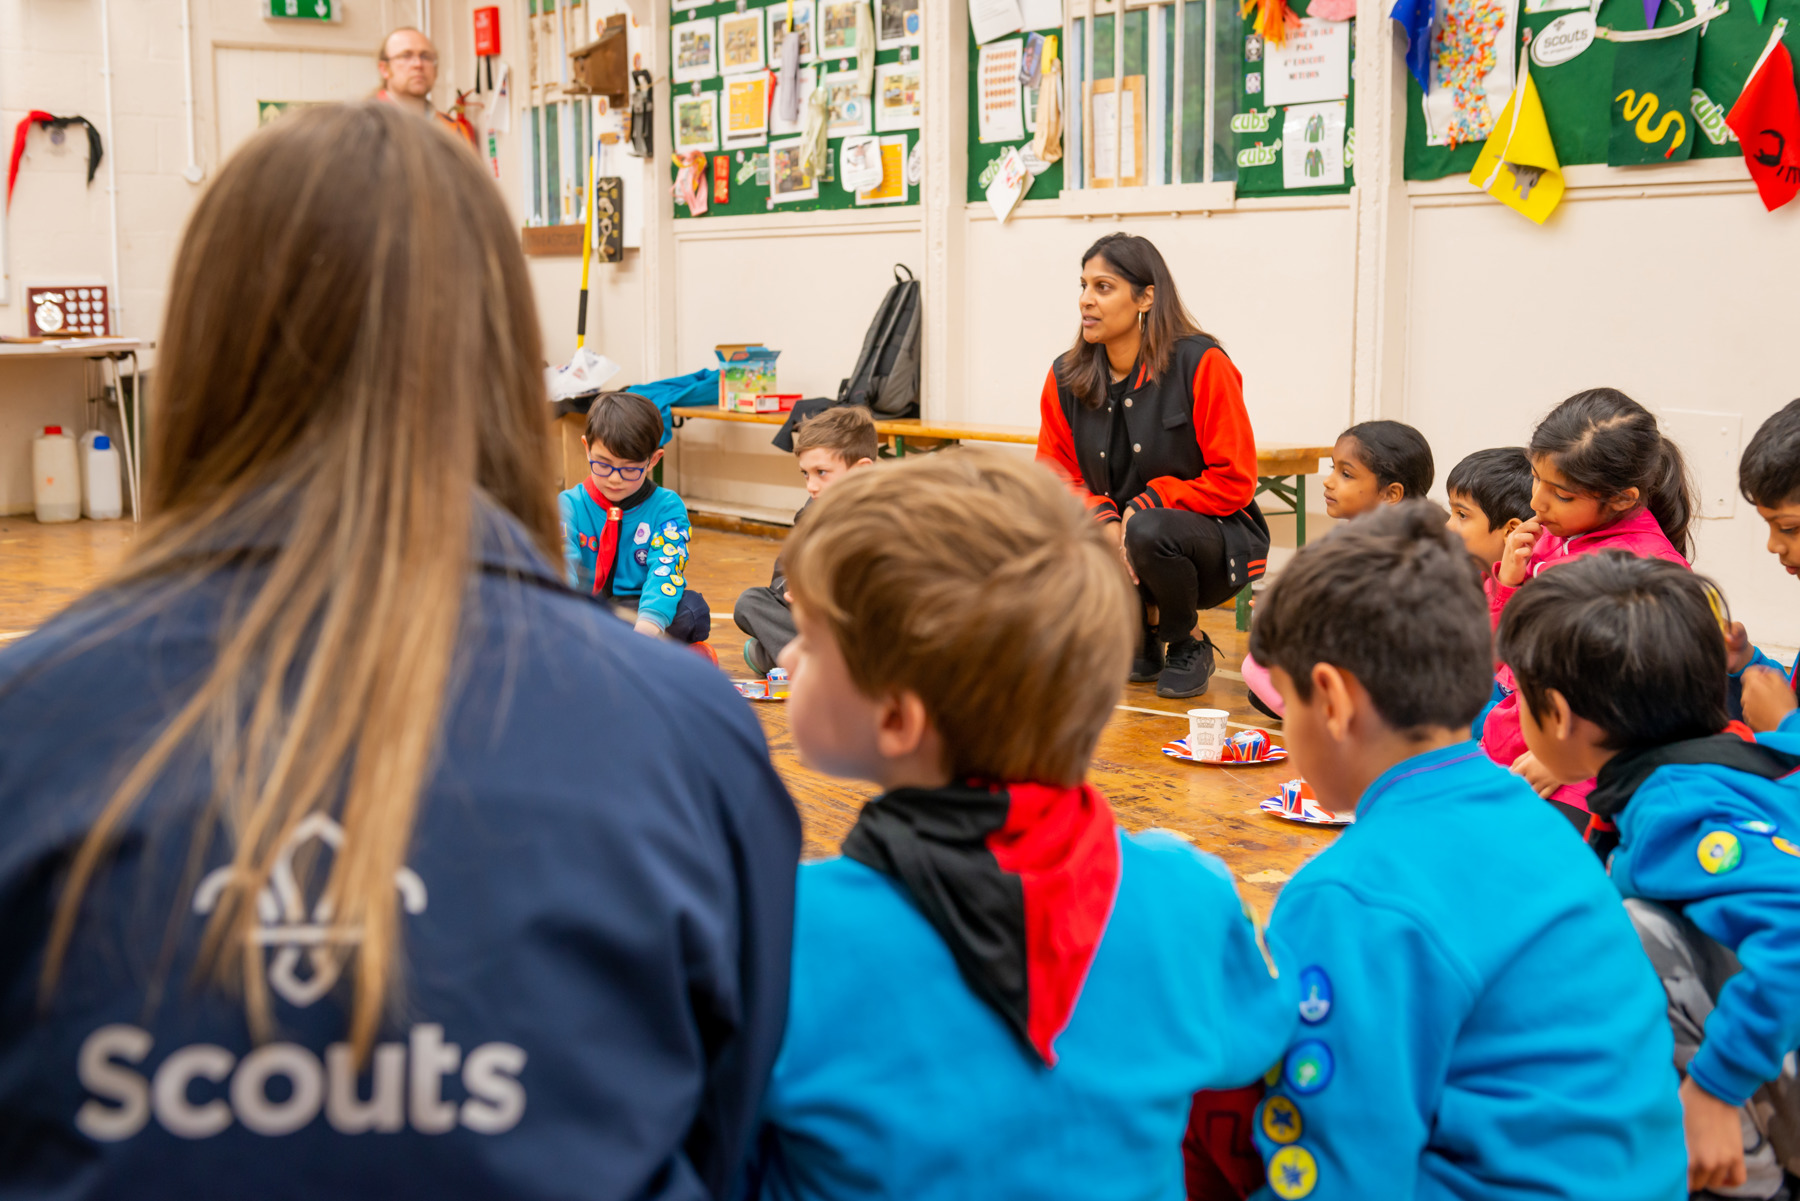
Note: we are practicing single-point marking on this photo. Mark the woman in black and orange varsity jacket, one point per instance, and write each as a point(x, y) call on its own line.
point(1145, 418)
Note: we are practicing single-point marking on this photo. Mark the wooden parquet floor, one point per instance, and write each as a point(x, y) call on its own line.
point(43, 568)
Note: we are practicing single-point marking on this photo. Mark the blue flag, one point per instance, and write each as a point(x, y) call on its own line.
point(1415, 16)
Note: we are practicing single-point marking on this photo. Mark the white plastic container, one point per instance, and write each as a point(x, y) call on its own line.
point(102, 496)
point(55, 476)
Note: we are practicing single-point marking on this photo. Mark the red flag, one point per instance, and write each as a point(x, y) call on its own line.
point(1766, 119)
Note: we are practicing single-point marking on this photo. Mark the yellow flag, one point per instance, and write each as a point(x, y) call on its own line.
point(1518, 165)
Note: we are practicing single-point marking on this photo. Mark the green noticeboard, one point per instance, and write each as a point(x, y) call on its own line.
point(301, 10)
point(1581, 94)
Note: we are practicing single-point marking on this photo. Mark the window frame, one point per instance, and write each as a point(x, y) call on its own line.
point(1078, 197)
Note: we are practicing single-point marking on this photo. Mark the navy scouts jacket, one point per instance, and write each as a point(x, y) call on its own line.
point(596, 926)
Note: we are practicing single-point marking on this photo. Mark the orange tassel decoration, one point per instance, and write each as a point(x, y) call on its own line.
point(1272, 22)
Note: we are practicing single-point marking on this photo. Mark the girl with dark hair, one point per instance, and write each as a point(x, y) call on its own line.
point(1377, 463)
point(1603, 478)
point(1144, 416)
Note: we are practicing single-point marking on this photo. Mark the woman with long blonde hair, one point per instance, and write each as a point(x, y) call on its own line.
point(343, 851)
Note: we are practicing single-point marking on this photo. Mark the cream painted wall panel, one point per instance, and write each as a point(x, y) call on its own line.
point(1276, 289)
point(811, 298)
point(1506, 320)
point(247, 76)
point(615, 311)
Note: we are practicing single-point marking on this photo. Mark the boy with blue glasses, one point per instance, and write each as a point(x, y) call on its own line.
point(625, 537)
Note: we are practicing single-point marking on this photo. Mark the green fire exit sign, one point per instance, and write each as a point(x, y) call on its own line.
point(303, 10)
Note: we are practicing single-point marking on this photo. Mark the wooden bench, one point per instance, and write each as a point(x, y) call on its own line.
point(1281, 467)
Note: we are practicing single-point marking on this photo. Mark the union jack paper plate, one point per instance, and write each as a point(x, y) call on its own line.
point(756, 690)
point(1178, 749)
point(1295, 805)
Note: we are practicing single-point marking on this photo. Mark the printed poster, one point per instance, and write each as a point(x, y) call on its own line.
point(746, 111)
point(1312, 145)
point(1001, 110)
point(893, 188)
point(1312, 64)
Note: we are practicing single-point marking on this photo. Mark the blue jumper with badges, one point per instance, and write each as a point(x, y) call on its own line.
point(650, 564)
point(1478, 1018)
point(896, 1080)
point(1723, 845)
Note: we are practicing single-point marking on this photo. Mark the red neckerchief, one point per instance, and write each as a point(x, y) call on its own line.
point(1018, 880)
point(608, 557)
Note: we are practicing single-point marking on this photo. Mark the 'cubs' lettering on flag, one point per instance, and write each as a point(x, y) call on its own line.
point(1766, 119)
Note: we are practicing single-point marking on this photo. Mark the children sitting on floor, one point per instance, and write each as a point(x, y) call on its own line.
point(1373, 464)
point(995, 991)
point(825, 447)
point(1490, 497)
point(1377, 463)
point(1621, 668)
point(1764, 697)
point(1604, 478)
point(1477, 1018)
point(625, 537)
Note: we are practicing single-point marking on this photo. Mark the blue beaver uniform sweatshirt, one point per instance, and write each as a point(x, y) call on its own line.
point(897, 1081)
point(594, 926)
point(651, 565)
point(1724, 847)
point(1477, 1017)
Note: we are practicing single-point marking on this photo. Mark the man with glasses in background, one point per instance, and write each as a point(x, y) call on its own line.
point(408, 63)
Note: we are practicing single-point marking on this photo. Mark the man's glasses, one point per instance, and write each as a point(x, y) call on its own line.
point(606, 470)
point(407, 56)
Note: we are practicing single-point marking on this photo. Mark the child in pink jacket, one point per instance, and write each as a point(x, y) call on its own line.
point(1604, 478)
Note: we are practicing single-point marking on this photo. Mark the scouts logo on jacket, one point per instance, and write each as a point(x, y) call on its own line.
point(286, 927)
point(1719, 852)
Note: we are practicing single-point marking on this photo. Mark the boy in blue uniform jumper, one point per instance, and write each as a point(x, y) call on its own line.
point(996, 991)
point(625, 537)
point(1621, 665)
point(1477, 1019)
point(1763, 692)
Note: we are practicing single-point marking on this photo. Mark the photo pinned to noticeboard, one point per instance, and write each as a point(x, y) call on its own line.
point(696, 50)
point(898, 88)
point(893, 188)
point(837, 27)
point(847, 109)
point(740, 42)
point(789, 180)
point(803, 21)
point(898, 23)
point(696, 122)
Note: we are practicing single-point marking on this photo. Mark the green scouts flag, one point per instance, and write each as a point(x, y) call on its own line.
point(1653, 85)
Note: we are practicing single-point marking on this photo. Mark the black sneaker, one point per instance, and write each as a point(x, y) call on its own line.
point(1147, 665)
point(1190, 668)
point(1261, 706)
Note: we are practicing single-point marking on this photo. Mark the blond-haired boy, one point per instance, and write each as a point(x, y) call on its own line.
point(825, 447)
point(995, 992)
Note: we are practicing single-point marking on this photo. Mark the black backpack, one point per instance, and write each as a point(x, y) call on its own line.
point(886, 378)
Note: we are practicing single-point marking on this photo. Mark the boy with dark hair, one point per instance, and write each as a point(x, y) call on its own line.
point(1474, 1022)
point(625, 537)
point(1764, 696)
point(825, 447)
point(1621, 671)
point(996, 991)
point(1490, 497)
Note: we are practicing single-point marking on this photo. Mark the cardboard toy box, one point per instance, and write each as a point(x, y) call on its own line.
point(746, 369)
point(766, 402)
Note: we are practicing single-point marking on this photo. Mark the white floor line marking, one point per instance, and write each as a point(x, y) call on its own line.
point(12, 635)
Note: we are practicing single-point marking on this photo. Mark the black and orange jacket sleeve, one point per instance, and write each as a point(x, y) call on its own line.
point(1056, 449)
point(1227, 446)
